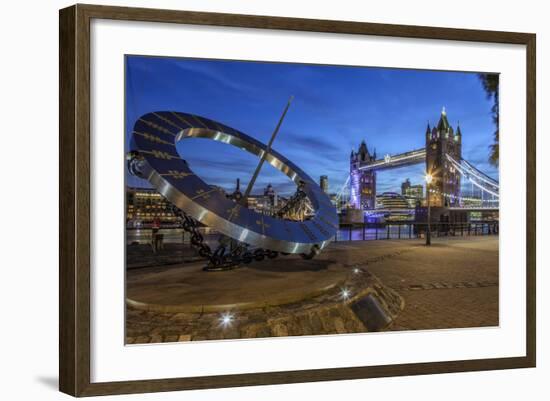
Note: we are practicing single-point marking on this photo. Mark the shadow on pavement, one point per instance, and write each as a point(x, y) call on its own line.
point(292, 265)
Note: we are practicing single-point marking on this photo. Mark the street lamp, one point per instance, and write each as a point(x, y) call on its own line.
point(429, 178)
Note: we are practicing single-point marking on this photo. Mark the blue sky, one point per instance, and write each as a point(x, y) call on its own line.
point(335, 107)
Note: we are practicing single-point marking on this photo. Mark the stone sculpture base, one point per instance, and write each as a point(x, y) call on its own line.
point(281, 297)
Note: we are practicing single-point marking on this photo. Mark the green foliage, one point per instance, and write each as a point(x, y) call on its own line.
point(490, 84)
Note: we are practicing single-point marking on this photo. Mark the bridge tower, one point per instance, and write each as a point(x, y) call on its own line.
point(441, 140)
point(362, 182)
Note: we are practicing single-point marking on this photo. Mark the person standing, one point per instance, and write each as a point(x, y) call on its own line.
point(156, 238)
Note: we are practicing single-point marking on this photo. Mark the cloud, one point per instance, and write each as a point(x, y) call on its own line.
point(317, 143)
point(335, 108)
point(285, 189)
point(209, 72)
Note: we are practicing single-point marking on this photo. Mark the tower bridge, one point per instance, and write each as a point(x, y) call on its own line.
point(393, 161)
point(442, 156)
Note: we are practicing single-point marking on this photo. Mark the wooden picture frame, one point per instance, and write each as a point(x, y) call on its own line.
point(74, 204)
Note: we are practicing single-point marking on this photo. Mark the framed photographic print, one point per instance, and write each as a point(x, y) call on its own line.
point(251, 200)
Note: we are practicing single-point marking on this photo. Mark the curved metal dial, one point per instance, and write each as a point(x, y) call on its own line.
point(154, 139)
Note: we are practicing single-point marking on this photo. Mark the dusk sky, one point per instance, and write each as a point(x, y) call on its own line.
point(335, 108)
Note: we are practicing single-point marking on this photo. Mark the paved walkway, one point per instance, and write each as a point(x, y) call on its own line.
point(141, 255)
point(271, 282)
point(452, 284)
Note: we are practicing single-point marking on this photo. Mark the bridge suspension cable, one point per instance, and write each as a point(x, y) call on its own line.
point(341, 192)
point(482, 175)
point(476, 177)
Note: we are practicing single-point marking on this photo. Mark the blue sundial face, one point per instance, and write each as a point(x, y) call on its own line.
point(155, 136)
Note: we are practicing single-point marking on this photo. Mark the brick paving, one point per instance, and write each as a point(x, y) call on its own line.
point(452, 284)
point(449, 308)
point(141, 255)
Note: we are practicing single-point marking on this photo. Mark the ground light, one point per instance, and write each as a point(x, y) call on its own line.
point(226, 319)
point(345, 294)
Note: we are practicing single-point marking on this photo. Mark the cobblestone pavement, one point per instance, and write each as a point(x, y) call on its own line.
point(452, 284)
point(141, 255)
point(449, 308)
point(367, 306)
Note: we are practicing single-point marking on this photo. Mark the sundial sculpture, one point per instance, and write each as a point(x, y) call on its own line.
point(246, 234)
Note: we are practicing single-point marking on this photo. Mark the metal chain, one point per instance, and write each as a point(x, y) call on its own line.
point(220, 259)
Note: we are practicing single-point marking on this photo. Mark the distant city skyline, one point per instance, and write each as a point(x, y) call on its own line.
point(335, 108)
